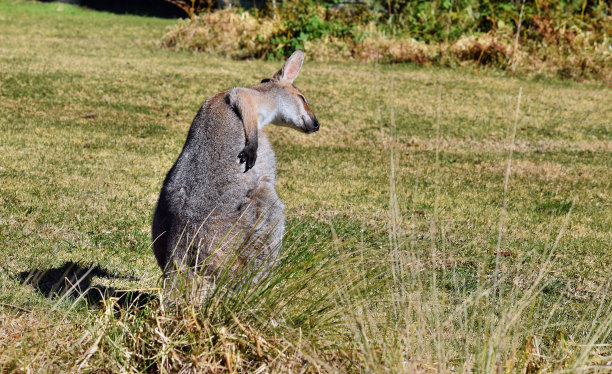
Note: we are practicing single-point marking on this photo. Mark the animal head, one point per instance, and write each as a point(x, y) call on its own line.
point(292, 108)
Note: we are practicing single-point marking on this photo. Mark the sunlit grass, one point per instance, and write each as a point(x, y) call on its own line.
point(393, 212)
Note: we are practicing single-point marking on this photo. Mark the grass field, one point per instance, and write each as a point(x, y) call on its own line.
point(426, 259)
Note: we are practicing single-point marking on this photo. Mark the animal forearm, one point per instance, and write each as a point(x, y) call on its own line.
point(243, 102)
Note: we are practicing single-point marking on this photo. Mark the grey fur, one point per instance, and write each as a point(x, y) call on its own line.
point(209, 206)
point(207, 187)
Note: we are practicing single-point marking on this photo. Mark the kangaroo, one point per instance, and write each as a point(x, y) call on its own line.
point(220, 194)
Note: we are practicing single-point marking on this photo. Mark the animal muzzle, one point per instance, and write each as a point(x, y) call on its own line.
point(311, 124)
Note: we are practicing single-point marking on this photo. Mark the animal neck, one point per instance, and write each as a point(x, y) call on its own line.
point(266, 114)
point(267, 109)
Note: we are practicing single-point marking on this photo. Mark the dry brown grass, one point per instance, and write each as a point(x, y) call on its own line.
point(574, 54)
point(224, 32)
point(34, 341)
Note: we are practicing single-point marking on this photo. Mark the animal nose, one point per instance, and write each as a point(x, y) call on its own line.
point(316, 125)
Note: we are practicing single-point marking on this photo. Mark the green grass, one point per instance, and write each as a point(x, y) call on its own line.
point(93, 113)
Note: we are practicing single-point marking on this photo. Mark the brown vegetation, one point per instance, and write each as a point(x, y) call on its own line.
point(562, 52)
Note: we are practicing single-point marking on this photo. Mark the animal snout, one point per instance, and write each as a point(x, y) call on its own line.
point(311, 125)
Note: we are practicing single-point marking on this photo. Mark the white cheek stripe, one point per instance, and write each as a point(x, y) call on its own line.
point(293, 112)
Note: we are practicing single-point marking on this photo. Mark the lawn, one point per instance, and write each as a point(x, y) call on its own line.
point(408, 170)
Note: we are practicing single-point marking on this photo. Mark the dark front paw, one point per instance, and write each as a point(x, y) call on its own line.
point(247, 156)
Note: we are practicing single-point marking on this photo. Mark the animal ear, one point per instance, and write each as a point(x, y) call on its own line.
point(292, 67)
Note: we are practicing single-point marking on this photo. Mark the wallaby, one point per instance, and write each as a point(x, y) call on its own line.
point(210, 204)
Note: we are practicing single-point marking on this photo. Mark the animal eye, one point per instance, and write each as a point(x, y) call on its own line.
point(303, 99)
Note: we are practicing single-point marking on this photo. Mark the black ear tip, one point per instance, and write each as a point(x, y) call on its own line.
point(266, 80)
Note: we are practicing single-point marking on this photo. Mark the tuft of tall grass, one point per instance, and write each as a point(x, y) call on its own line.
point(330, 307)
point(293, 316)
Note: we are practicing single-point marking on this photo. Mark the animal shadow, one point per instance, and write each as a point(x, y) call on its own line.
point(73, 279)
